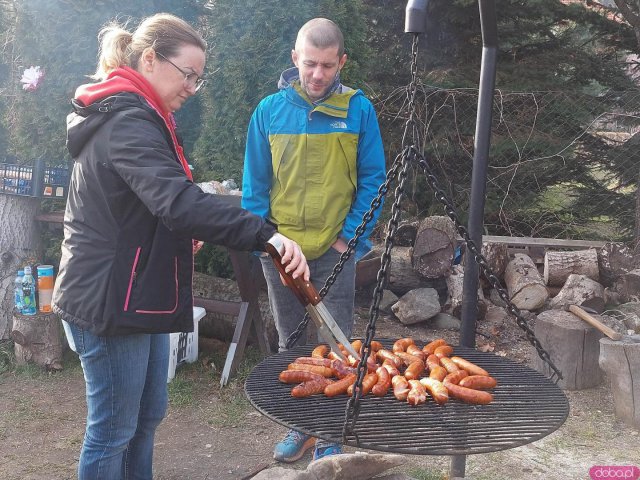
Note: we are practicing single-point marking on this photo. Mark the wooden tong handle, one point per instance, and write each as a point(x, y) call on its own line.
point(303, 290)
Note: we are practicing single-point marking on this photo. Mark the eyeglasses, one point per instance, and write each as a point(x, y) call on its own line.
point(190, 78)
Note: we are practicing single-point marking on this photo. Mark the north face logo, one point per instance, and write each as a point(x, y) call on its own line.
point(338, 124)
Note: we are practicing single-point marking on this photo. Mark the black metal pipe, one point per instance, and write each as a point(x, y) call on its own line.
point(480, 161)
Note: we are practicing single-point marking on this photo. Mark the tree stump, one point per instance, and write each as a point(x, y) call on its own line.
point(434, 247)
point(582, 291)
point(19, 246)
point(406, 234)
point(621, 362)
point(37, 339)
point(573, 347)
point(455, 284)
point(559, 265)
point(524, 284)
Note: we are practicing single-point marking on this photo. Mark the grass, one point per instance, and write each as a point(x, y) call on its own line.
point(420, 473)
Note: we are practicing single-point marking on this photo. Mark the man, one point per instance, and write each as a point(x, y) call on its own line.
point(313, 163)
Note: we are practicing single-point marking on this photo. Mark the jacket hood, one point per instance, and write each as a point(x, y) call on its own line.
point(84, 121)
point(291, 76)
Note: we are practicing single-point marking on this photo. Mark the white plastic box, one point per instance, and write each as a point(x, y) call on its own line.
point(183, 347)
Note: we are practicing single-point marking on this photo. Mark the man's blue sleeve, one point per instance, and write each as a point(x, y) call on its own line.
point(256, 177)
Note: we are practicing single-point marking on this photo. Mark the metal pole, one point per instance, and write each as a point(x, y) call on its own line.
point(478, 187)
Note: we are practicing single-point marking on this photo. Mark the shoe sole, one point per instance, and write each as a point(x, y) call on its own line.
point(305, 446)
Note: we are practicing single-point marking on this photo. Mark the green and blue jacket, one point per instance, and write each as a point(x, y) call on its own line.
point(313, 169)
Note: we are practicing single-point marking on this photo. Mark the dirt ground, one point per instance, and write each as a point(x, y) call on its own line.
point(213, 433)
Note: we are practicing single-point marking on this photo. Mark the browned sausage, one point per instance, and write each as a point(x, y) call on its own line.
point(467, 395)
point(417, 394)
point(298, 376)
point(402, 344)
point(400, 387)
point(384, 354)
point(430, 347)
point(436, 389)
point(320, 351)
point(455, 377)
point(368, 382)
point(341, 369)
point(308, 388)
point(391, 368)
point(438, 373)
point(340, 387)
point(334, 356)
point(384, 382)
point(478, 382)
point(324, 371)
point(449, 365)
point(433, 361)
point(407, 358)
point(416, 352)
point(414, 370)
point(375, 345)
point(443, 351)
point(357, 345)
point(323, 362)
point(472, 368)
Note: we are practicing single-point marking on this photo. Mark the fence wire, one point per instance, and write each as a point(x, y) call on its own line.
point(561, 164)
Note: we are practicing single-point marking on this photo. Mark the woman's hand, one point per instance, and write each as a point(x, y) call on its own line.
point(293, 258)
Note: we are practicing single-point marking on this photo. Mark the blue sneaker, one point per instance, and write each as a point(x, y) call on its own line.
point(293, 446)
point(326, 449)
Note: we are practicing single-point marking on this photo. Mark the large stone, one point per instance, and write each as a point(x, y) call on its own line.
point(444, 321)
point(417, 306)
point(387, 301)
point(349, 466)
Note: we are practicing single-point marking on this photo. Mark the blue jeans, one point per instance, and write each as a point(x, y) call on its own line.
point(288, 312)
point(126, 388)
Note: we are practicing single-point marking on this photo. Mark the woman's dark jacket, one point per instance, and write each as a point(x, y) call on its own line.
point(131, 215)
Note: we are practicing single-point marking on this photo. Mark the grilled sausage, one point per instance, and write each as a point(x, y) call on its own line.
point(320, 351)
point(433, 361)
point(341, 369)
point(340, 387)
point(455, 377)
point(400, 387)
point(310, 387)
point(430, 347)
point(324, 371)
point(298, 376)
point(384, 382)
point(402, 344)
point(478, 382)
point(414, 370)
point(472, 368)
point(323, 362)
point(384, 354)
point(407, 358)
point(417, 394)
point(375, 345)
point(436, 389)
point(467, 395)
point(416, 352)
point(391, 368)
point(443, 351)
point(357, 345)
point(368, 382)
point(449, 365)
point(438, 373)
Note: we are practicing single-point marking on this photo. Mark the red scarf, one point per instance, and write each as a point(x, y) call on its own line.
point(125, 79)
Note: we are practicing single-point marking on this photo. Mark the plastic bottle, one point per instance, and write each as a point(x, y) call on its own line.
point(28, 293)
point(18, 291)
point(45, 288)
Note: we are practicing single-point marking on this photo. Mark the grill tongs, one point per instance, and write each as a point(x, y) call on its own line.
point(308, 296)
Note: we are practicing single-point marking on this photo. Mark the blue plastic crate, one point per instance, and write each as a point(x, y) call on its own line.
point(56, 182)
point(16, 179)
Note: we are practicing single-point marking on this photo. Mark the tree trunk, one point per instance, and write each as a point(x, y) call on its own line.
point(524, 284)
point(37, 339)
point(582, 291)
point(628, 286)
point(559, 265)
point(614, 260)
point(402, 276)
point(434, 247)
point(19, 246)
point(453, 304)
point(406, 234)
point(497, 256)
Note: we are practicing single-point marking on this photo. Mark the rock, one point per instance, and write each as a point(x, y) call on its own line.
point(444, 321)
point(417, 306)
point(387, 301)
point(631, 315)
point(348, 466)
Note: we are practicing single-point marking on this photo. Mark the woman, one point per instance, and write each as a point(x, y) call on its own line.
point(125, 274)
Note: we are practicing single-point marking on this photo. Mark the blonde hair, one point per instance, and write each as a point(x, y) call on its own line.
point(321, 33)
point(163, 32)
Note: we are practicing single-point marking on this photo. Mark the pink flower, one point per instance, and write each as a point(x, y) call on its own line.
point(31, 78)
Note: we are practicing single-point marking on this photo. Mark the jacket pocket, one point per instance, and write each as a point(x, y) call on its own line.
point(153, 284)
